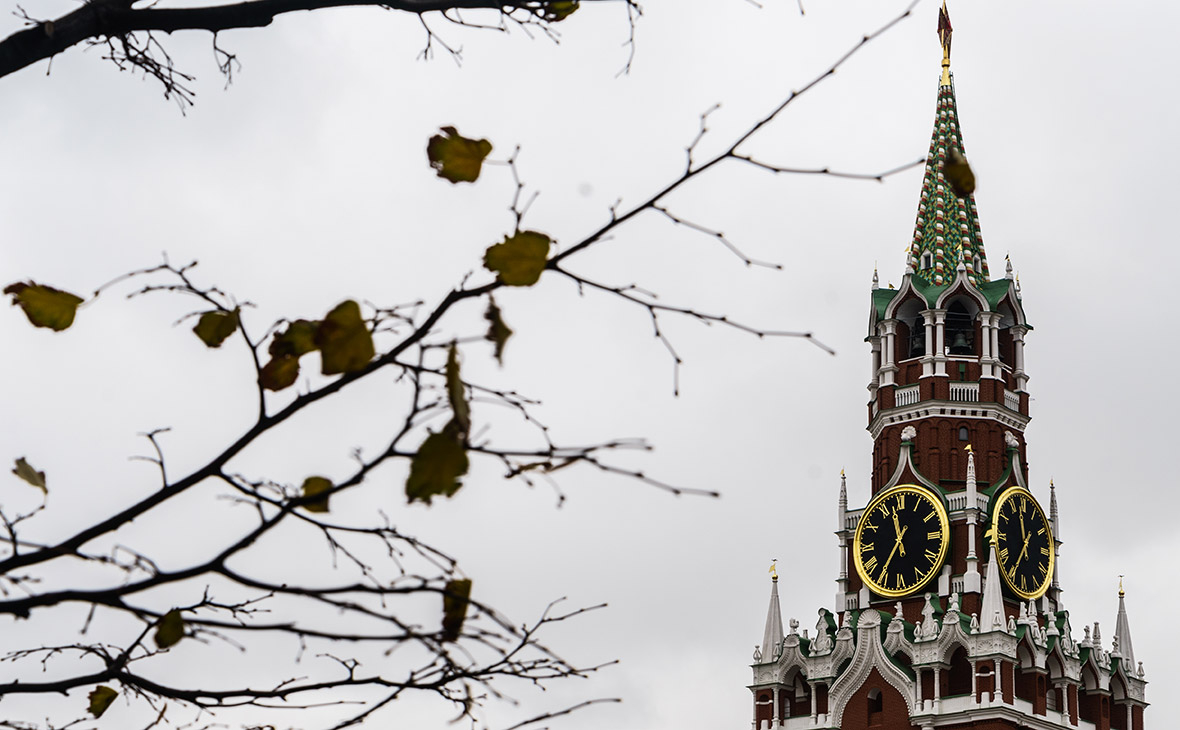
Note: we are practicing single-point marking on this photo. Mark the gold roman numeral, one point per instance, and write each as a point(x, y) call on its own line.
point(934, 535)
point(901, 501)
point(931, 555)
point(1044, 551)
point(929, 517)
point(871, 564)
point(1004, 554)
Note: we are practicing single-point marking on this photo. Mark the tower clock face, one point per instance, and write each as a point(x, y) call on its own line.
point(1024, 543)
point(901, 540)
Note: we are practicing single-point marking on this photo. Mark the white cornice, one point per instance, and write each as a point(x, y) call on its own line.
point(946, 408)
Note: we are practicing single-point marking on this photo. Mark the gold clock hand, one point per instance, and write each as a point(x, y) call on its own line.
point(898, 531)
point(885, 567)
point(1023, 551)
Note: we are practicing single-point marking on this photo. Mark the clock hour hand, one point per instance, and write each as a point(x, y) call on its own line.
point(899, 531)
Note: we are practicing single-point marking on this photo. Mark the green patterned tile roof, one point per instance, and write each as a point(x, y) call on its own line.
point(947, 226)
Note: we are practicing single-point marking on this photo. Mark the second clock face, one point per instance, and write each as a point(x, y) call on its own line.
point(901, 540)
point(1024, 543)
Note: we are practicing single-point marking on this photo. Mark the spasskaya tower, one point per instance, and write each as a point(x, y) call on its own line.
point(948, 611)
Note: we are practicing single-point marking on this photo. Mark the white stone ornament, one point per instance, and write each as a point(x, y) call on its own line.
point(1011, 625)
point(909, 433)
point(1010, 440)
point(974, 623)
point(757, 654)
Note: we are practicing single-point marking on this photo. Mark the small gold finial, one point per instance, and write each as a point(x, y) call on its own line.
point(1050, 482)
point(1121, 593)
point(968, 448)
point(841, 472)
point(944, 36)
point(774, 570)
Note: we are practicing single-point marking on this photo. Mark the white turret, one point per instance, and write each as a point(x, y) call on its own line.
point(1122, 634)
point(772, 635)
point(991, 612)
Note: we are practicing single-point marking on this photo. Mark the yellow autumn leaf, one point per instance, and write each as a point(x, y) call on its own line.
point(215, 327)
point(170, 629)
point(958, 173)
point(298, 339)
point(313, 486)
point(456, 393)
point(437, 467)
point(344, 341)
point(44, 305)
point(279, 372)
point(456, 598)
point(25, 471)
point(456, 157)
point(559, 10)
point(101, 698)
point(498, 332)
point(519, 259)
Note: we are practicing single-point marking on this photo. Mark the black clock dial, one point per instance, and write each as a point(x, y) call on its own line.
point(901, 540)
point(1024, 543)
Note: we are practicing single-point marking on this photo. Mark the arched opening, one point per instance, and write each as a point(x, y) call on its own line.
point(1026, 676)
point(1053, 701)
point(964, 434)
point(927, 261)
point(1092, 702)
point(960, 330)
point(911, 330)
point(1007, 353)
point(958, 680)
point(798, 697)
point(876, 706)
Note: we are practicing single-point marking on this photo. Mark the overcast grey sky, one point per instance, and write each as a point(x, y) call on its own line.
point(306, 182)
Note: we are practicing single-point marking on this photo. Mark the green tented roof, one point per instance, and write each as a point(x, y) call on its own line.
point(947, 226)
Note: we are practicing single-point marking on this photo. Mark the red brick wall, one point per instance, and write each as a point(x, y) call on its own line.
point(894, 713)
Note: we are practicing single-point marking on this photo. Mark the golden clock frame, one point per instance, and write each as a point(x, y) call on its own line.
point(944, 525)
point(1006, 495)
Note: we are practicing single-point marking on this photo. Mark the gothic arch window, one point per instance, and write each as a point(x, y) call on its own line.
point(927, 261)
point(964, 435)
point(977, 265)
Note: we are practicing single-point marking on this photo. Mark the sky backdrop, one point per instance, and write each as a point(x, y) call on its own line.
point(305, 182)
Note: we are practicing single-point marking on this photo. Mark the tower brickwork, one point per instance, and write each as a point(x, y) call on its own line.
point(948, 611)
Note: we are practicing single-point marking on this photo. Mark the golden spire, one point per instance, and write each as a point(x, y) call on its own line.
point(944, 36)
point(774, 570)
point(1121, 592)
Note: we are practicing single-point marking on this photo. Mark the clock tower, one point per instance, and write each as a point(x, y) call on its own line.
point(948, 611)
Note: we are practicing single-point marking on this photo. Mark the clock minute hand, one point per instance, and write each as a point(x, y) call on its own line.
point(899, 531)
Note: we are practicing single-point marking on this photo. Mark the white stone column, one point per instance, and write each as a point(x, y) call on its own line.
point(1018, 333)
point(918, 692)
point(939, 341)
point(875, 343)
point(889, 347)
point(974, 682)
